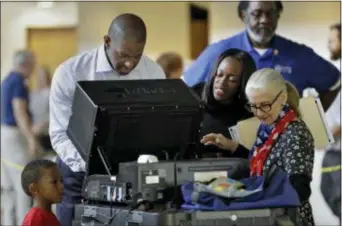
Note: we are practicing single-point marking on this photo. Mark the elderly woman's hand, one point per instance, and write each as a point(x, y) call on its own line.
point(220, 141)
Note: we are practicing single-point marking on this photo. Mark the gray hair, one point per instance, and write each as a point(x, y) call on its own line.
point(272, 80)
point(21, 57)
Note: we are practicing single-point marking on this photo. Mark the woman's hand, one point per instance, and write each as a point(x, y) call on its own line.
point(220, 141)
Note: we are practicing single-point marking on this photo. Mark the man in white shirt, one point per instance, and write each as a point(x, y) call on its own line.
point(331, 165)
point(119, 58)
point(333, 114)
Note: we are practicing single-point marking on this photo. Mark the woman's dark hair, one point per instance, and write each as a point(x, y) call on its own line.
point(243, 5)
point(248, 68)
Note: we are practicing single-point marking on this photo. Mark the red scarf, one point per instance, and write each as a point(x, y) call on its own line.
point(261, 153)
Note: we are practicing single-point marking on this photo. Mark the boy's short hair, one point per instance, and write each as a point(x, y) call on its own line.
point(31, 172)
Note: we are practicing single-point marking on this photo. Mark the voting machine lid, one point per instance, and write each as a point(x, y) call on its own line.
point(133, 117)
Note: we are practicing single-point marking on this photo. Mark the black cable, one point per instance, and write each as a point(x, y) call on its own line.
point(176, 155)
point(106, 165)
point(100, 151)
point(110, 219)
point(130, 211)
point(166, 155)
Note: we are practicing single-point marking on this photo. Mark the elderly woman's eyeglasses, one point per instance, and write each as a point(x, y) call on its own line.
point(264, 107)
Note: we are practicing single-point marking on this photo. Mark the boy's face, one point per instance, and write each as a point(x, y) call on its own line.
point(50, 186)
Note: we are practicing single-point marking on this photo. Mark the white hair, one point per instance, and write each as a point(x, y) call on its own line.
point(272, 80)
point(265, 79)
point(21, 57)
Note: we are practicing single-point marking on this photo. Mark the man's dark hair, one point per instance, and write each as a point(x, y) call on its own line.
point(32, 173)
point(128, 27)
point(336, 27)
point(248, 68)
point(243, 5)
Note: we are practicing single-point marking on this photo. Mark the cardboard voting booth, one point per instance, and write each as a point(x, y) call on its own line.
point(312, 114)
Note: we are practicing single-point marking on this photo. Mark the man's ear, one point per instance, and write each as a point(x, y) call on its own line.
point(283, 98)
point(106, 40)
point(244, 16)
point(278, 17)
point(33, 189)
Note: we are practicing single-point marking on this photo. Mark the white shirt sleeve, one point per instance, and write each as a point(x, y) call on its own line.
point(158, 73)
point(334, 112)
point(61, 97)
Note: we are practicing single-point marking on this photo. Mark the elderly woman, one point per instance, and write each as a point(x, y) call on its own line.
point(224, 98)
point(283, 138)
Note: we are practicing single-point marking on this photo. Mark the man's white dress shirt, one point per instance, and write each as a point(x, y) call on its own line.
point(333, 114)
point(89, 65)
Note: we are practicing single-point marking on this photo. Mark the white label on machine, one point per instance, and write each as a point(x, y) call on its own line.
point(207, 176)
point(152, 179)
point(234, 133)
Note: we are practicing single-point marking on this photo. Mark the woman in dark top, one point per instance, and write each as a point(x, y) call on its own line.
point(283, 139)
point(224, 98)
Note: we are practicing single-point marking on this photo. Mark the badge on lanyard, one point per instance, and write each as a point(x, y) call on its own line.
point(281, 68)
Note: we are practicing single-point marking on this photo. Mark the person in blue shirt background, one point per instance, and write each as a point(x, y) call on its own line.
point(18, 142)
point(298, 63)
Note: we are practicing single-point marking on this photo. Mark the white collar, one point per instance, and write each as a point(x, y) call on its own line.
point(102, 64)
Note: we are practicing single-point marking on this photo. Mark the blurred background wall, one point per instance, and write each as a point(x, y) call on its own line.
point(17, 17)
point(171, 25)
point(303, 22)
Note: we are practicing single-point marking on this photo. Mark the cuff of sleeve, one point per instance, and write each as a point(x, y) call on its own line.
point(241, 152)
point(79, 165)
point(69, 155)
point(83, 165)
point(336, 85)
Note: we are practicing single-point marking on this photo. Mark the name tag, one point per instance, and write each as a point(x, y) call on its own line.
point(283, 69)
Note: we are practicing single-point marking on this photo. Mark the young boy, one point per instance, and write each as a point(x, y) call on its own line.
point(41, 180)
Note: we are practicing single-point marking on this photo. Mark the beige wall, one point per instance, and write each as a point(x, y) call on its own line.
point(304, 22)
point(17, 16)
point(167, 24)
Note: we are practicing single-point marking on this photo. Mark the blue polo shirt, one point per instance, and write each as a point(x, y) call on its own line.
point(298, 64)
point(13, 86)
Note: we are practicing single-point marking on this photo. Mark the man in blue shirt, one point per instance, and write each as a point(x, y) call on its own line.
point(18, 143)
point(297, 63)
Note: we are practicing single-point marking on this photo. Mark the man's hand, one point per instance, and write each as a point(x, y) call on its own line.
point(33, 147)
point(336, 131)
point(220, 141)
point(328, 97)
point(37, 128)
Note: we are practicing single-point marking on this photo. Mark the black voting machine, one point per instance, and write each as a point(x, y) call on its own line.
point(127, 118)
point(112, 123)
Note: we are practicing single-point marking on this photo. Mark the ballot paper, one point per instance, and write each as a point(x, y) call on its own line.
point(312, 113)
point(234, 133)
point(314, 117)
point(147, 159)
